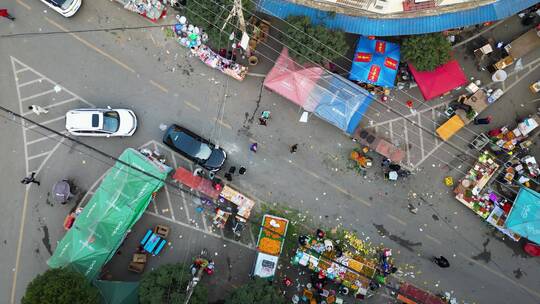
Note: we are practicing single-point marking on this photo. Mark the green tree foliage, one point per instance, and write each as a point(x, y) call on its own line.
point(211, 14)
point(60, 286)
point(258, 291)
point(313, 43)
point(167, 285)
point(426, 52)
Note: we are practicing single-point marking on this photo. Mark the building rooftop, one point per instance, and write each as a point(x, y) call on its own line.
point(414, 17)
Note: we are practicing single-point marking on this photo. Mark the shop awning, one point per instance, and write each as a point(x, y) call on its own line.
point(524, 217)
point(443, 79)
point(375, 62)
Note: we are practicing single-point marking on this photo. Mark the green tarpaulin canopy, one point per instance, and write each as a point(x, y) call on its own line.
point(115, 207)
point(114, 292)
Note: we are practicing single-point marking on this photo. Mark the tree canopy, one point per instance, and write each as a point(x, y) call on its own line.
point(211, 15)
point(315, 43)
point(258, 291)
point(60, 286)
point(167, 285)
point(426, 52)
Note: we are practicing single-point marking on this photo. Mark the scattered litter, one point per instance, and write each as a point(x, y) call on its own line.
point(57, 89)
point(165, 210)
point(162, 126)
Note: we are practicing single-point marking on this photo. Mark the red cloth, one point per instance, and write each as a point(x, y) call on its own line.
point(443, 79)
point(3, 12)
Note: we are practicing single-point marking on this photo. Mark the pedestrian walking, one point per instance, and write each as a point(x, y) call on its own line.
point(38, 110)
point(265, 114)
point(253, 147)
point(30, 179)
point(441, 262)
point(4, 13)
point(242, 170)
point(293, 148)
point(262, 122)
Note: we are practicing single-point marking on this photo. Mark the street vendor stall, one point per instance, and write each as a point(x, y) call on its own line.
point(347, 268)
point(440, 81)
point(375, 62)
point(509, 139)
point(269, 245)
point(468, 191)
point(231, 201)
point(196, 182)
point(151, 9)
point(524, 217)
point(215, 61)
point(195, 38)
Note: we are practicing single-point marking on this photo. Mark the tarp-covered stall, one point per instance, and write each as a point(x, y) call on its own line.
point(342, 103)
point(329, 96)
point(524, 217)
point(375, 62)
point(115, 207)
point(438, 82)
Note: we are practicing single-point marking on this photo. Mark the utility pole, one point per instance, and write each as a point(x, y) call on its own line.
point(239, 13)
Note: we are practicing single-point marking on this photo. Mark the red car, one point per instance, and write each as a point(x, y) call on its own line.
point(532, 249)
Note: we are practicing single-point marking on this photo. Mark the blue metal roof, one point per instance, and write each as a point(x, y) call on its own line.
point(399, 26)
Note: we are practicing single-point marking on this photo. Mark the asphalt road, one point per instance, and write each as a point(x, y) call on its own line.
point(156, 78)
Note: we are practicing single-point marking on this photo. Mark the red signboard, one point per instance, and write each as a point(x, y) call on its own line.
point(374, 73)
point(363, 57)
point(380, 47)
point(391, 63)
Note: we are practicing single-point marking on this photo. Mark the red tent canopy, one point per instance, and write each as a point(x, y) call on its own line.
point(439, 81)
point(293, 81)
point(198, 183)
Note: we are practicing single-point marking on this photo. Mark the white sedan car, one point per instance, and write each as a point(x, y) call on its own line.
point(101, 122)
point(66, 8)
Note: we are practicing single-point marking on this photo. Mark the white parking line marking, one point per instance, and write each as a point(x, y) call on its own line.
point(205, 225)
point(53, 105)
point(37, 95)
point(88, 44)
point(45, 138)
point(38, 155)
point(189, 104)
point(396, 219)
point(185, 205)
point(433, 239)
point(221, 122)
point(420, 135)
point(200, 230)
point(26, 6)
point(169, 201)
point(391, 132)
point(46, 122)
point(53, 83)
point(22, 70)
point(407, 142)
point(30, 82)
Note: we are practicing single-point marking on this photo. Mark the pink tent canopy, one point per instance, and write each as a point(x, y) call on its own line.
point(293, 81)
point(439, 81)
